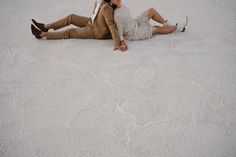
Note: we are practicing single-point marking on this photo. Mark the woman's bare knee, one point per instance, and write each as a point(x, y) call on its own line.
point(151, 12)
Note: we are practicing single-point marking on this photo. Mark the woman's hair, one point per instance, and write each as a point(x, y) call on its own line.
point(112, 5)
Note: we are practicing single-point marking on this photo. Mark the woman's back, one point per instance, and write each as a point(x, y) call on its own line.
point(123, 19)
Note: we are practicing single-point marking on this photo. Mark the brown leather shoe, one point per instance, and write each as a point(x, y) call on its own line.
point(36, 32)
point(40, 26)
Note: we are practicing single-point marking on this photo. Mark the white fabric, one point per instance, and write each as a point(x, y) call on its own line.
point(98, 5)
point(124, 20)
point(182, 25)
point(142, 29)
point(135, 29)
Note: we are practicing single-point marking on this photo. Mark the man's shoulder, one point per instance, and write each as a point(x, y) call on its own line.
point(106, 6)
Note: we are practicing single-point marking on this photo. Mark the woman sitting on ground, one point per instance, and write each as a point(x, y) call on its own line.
point(140, 28)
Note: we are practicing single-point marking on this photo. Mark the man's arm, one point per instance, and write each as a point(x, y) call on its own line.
point(109, 18)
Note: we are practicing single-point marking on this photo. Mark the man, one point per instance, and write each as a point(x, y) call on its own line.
point(102, 26)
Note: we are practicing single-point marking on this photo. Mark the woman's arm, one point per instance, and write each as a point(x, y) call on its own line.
point(120, 27)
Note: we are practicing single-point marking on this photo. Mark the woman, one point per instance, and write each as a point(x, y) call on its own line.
point(140, 28)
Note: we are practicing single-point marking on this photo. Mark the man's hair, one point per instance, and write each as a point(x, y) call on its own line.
point(113, 5)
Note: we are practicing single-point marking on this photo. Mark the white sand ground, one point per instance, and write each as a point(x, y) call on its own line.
point(170, 96)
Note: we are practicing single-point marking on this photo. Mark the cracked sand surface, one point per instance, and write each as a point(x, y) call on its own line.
point(170, 96)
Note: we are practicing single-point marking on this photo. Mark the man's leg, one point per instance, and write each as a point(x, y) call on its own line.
point(79, 21)
point(79, 33)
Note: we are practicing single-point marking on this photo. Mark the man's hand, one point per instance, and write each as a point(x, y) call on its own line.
point(123, 46)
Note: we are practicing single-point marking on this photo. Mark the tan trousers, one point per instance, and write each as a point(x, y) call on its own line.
point(84, 31)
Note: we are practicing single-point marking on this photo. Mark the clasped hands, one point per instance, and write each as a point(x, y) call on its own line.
point(122, 47)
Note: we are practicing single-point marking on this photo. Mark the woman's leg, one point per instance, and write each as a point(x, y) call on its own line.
point(164, 30)
point(79, 21)
point(153, 14)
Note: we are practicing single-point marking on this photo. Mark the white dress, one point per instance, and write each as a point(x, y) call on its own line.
point(132, 29)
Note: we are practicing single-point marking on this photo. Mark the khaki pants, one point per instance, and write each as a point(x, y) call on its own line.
point(84, 31)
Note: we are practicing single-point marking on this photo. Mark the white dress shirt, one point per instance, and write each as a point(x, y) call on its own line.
point(98, 6)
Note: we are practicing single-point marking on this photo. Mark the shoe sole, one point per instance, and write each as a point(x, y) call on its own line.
point(35, 23)
point(185, 24)
point(36, 36)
